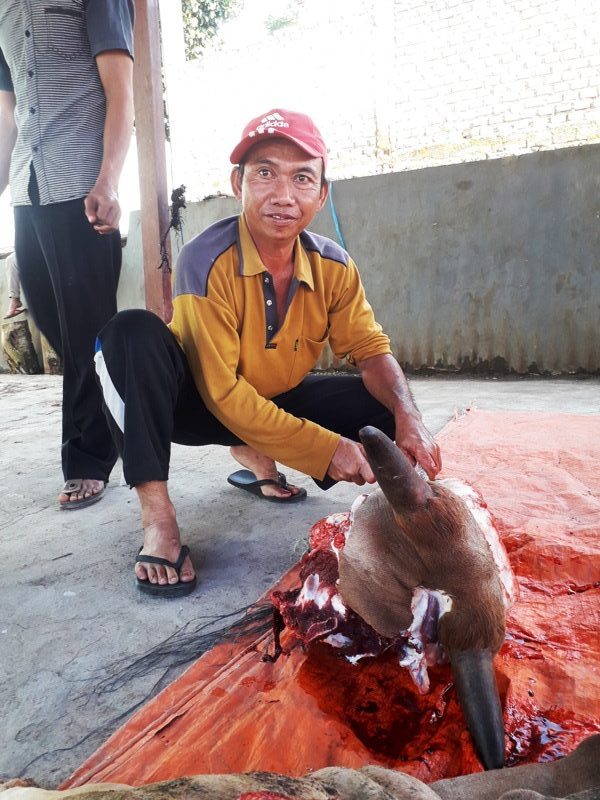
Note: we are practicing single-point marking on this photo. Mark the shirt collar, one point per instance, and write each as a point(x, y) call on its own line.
point(251, 264)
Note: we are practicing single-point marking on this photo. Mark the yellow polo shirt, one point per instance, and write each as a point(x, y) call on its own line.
point(225, 319)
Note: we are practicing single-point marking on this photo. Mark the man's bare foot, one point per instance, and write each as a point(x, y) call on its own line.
point(88, 488)
point(14, 307)
point(264, 468)
point(161, 537)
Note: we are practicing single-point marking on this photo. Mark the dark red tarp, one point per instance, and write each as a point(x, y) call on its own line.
point(231, 712)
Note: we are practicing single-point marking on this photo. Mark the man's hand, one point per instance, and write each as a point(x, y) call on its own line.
point(419, 445)
point(385, 380)
point(349, 463)
point(102, 208)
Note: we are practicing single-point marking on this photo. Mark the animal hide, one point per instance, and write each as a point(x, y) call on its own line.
point(418, 568)
point(576, 777)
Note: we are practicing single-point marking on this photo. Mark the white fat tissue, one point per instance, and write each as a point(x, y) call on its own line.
point(418, 655)
point(338, 640)
point(312, 594)
point(355, 659)
point(483, 518)
point(414, 662)
point(338, 605)
point(356, 504)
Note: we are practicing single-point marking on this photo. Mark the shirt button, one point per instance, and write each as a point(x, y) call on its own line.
point(30, 73)
point(32, 110)
point(28, 34)
point(35, 148)
point(269, 327)
point(266, 279)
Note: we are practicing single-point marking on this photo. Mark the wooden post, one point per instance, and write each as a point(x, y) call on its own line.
point(150, 136)
point(52, 361)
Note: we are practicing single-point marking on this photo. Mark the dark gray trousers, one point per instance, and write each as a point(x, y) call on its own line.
point(69, 274)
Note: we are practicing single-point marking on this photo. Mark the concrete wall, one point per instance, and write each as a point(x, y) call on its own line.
point(491, 265)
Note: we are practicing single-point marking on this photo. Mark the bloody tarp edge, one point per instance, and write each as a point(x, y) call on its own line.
point(231, 712)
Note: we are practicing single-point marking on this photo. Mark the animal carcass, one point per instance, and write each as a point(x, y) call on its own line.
point(576, 777)
point(420, 569)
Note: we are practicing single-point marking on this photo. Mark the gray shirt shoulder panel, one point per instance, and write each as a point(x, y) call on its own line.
point(199, 255)
point(325, 247)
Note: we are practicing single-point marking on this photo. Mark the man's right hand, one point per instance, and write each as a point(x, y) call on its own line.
point(102, 208)
point(349, 463)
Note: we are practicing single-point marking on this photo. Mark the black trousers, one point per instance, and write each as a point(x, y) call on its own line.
point(69, 275)
point(151, 399)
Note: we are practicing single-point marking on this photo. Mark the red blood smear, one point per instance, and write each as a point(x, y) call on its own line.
point(378, 701)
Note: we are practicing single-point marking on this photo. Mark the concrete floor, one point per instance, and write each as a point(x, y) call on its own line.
point(70, 616)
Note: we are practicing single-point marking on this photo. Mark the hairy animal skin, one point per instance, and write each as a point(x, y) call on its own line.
point(413, 535)
point(438, 546)
point(576, 777)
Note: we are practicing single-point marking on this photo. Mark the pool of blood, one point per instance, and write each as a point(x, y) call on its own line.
point(421, 734)
point(378, 702)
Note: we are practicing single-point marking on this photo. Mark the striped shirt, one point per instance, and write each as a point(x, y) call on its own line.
point(47, 57)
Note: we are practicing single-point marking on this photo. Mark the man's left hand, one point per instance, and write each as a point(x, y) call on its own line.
point(419, 445)
point(102, 208)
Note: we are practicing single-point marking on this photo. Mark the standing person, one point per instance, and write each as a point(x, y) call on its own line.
point(66, 116)
point(256, 298)
point(15, 305)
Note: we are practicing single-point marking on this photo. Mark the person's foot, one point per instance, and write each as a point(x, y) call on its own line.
point(264, 468)
point(14, 307)
point(162, 539)
point(86, 488)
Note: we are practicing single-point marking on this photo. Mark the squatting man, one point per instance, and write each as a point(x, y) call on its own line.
point(256, 297)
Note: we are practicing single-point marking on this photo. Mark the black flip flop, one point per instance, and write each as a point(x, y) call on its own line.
point(73, 486)
point(246, 480)
point(167, 589)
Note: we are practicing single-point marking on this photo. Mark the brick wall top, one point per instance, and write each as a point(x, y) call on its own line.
point(394, 86)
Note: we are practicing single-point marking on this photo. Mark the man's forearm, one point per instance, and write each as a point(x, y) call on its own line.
point(8, 135)
point(384, 379)
point(116, 73)
point(102, 207)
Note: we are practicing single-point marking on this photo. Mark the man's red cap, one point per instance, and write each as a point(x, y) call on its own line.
point(298, 128)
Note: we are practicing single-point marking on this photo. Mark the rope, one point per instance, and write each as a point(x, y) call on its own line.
point(334, 216)
point(176, 224)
